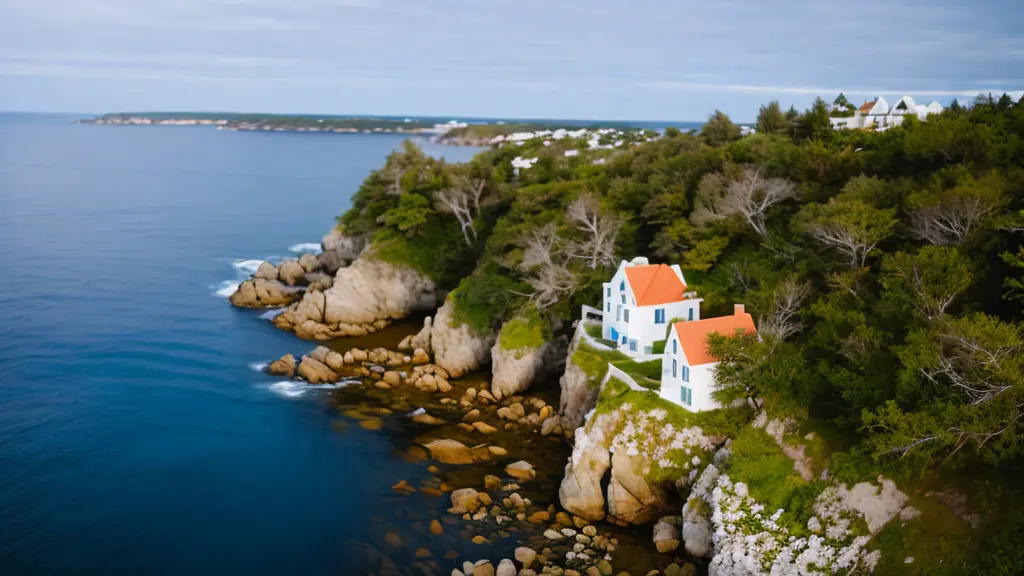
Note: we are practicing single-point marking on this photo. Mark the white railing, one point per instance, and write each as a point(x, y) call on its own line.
point(591, 313)
point(614, 371)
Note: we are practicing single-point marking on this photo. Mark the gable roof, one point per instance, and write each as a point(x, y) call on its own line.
point(867, 106)
point(693, 336)
point(654, 284)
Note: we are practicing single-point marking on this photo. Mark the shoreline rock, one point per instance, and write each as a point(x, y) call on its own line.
point(263, 293)
point(365, 297)
point(458, 349)
point(513, 371)
point(578, 395)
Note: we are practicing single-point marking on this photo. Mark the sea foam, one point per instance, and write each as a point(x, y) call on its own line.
point(259, 366)
point(306, 247)
point(225, 288)
point(250, 266)
point(271, 314)
point(288, 389)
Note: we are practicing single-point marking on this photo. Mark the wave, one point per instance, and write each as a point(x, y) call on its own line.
point(259, 366)
point(288, 389)
point(417, 412)
point(306, 247)
point(295, 388)
point(250, 266)
point(271, 314)
point(225, 288)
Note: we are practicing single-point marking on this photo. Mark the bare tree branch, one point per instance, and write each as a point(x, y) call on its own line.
point(784, 321)
point(749, 196)
point(948, 223)
point(545, 269)
point(600, 229)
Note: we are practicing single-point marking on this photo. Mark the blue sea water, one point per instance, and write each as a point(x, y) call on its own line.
point(135, 438)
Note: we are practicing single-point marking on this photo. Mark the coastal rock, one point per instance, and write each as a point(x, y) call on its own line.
point(697, 528)
point(506, 568)
point(290, 271)
point(631, 498)
point(316, 372)
point(309, 262)
point(579, 395)
point(580, 491)
point(666, 534)
point(464, 500)
point(458, 349)
point(365, 297)
point(521, 470)
point(284, 366)
point(318, 281)
point(267, 271)
point(525, 556)
point(514, 370)
point(262, 293)
point(346, 247)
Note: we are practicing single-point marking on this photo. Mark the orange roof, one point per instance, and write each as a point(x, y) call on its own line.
point(693, 336)
point(654, 284)
point(867, 106)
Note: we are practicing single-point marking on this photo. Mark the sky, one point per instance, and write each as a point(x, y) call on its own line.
point(592, 59)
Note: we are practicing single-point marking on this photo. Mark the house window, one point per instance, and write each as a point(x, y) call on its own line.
point(627, 315)
point(622, 285)
point(675, 348)
point(623, 298)
point(608, 307)
point(674, 368)
point(618, 313)
point(632, 345)
point(609, 293)
point(659, 316)
point(623, 339)
point(691, 315)
point(685, 395)
point(648, 349)
point(686, 373)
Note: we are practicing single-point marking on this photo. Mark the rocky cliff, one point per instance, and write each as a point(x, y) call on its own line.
point(514, 370)
point(579, 393)
point(458, 348)
point(364, 297)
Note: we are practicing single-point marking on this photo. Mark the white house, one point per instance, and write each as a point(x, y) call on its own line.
point(640, 301)
point(878, 115)
point(688, 368)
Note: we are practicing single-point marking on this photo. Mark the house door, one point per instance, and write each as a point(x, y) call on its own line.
point(615, 335)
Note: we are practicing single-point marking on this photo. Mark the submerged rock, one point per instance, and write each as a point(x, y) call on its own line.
point(450, 451)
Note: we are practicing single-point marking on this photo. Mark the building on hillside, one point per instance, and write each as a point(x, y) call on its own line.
point(688, 368)
point(639, 303)
point(878, 115)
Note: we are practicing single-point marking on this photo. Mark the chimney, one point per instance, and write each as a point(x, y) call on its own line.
point(737, 310)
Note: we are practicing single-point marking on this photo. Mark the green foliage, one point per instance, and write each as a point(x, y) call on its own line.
point(719, 130)
point(411, 213)
point(483, 300)
point(771, 120)
point(927, 282)
point(526, 329)
point(1014, 286)
point(852, 227)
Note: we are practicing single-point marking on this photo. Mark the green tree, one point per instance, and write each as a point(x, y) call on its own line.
point(955, 107)
point(1014, 286)
point(947, 216)
point(815, 124)
point(1005, 102)
point(852, 227)
point(765, 371)
point(719, 130)
point(411, 213)
point(771, 120)
point(970, 373)
point(696, 248)
point(928, 281)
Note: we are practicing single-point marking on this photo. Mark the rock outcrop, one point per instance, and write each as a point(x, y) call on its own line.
point(284, 366)
point(263, 293)
point(579, 394)
point(267, 271)
point(420, 340)
point(458, 348)
point(514, 370)
point(580, 491)
point(315, 371)
point(631, 497)
point(290, 271)
point(365, 297)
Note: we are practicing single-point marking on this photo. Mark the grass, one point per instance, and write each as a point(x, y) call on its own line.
point(594, 331)
point(525, 330)
point(723, 422)
point(658, 347)
point(769, 474)
point(595, 362)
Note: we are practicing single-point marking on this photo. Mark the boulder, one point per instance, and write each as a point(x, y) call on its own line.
point(458, 348)
point(316, 372)
point(334, 360)
point(579, 394)
point(580, 491)
point(309, 262)
point(320, 353)
point(506, 568)
point(521, 470)
point(318, 281)
point(514, 370)
point(697, 528)
point(290, 271)
point(263, 293)
point(267, 271)
point(283, 366)
point(464, 500)
point(345, 247)
point(525, 556)
point(631, 498)
point(421, 340)
point(666, 534)
point(392, 378)
point(365, 297)
point(450, 451)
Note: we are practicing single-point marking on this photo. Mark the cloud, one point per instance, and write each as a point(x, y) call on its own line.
point(812, 90)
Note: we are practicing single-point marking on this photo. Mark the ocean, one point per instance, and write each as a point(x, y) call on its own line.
point(136, 434)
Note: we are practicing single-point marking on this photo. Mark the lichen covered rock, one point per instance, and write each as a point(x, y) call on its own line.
point(458, 348)
point(513, 371)
point(579, 393)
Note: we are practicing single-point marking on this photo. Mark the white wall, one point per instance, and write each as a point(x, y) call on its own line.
point(701, 384)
